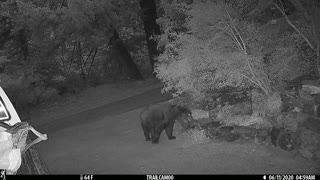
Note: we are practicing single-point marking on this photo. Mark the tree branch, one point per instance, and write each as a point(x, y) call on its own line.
point(238, 34)
point(93, 59)
point(318, 57)
point(244, 49)
point(256, 83)
point(293, 26)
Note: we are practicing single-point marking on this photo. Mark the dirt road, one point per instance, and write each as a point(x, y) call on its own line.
point(109, 140)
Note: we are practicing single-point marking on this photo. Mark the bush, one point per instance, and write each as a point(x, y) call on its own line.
point(217, 50)
point(142, 61)
point(206, 57)
point(224, 112)
point(25, 91)
point(263, 105)
point(195, 137)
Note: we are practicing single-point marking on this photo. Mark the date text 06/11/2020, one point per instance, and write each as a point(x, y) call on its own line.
point(291, 177)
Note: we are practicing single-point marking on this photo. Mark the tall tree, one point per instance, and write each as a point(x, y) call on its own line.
point(151, 28)
point(303, 18)
point(119, 51)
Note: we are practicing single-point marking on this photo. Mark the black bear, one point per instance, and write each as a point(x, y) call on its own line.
point(155, 118)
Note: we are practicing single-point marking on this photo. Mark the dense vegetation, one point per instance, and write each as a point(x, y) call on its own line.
point(50, 47)
point(54, 47)
point(219, 45)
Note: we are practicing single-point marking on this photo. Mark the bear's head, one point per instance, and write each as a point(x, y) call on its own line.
point(185, 115)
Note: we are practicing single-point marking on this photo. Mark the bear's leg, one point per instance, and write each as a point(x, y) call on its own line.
point(157, 132)
point(146, 132)
point(152, 132)
point(169, 131)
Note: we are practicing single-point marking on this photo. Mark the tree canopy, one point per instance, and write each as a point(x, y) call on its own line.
point(195, 47)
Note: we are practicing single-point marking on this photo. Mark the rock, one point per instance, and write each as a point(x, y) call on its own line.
point(225, 129)
point(312, 124)
point(244, 108)
point(306, 153)
point(292, 102)
point(200, 117)
point(247, 133)
point(213, 114)
point(200, 114)
point(246, 120)
point(273, 104)
point(257, 122)
point(226, 133)
point(316, 110)
point(243, 130)
point(230, 137)
point(297, 131)
point(311, 109)
point(211, 128)
point(289, 121)
point(261, 139)
point(311, 87)
point(306, 97)
point(308, 137)
point(215, 130)
point(285, 141)
point(274, 134)
point(212, 124)
point(309, 144)
point(211, 133)
point(316, 98)
point(262, 132)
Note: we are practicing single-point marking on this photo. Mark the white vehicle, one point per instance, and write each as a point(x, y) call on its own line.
point(16, 154)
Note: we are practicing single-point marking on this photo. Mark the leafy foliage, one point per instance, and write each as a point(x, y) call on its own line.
point(58, 42)
point(208, 56)
point(220, 46)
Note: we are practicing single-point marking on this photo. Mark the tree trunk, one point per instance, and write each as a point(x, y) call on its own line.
point(122, 56)
point(151, 28)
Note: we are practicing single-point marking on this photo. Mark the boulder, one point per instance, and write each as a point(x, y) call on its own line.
point(258, 135)
point(308, 137)
point(230, 137)
point(311, 87)
point(274, 135)
point(200, 114)
point(309, 144)
point(312, 123)
point(285, 141)
point(306, 97)
point(289, 121)
point(210, 125)
point(253, 121)
point(282, 138)
point(311, 109)
point(226, 133)
point(244, 108)
point(211, 128)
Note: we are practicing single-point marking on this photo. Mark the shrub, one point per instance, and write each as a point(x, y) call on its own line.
point(208, 56)
point(195, 137)
point(224, 112)
point(24, 92)
point(266, 105)
point(216, 49)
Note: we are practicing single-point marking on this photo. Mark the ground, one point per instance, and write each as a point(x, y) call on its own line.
point(99, 133)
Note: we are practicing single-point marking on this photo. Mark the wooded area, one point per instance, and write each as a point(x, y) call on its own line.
point(53, 47)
